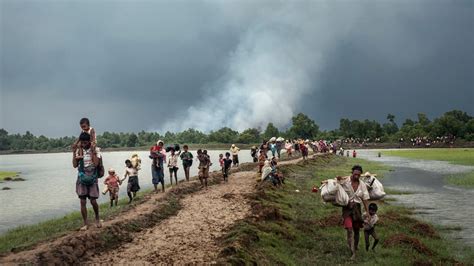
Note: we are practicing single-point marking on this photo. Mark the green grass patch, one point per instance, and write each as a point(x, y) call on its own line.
point(25, 236)
point(297, 228)
point(462, 156)
point(462, 180)
point(4, 175)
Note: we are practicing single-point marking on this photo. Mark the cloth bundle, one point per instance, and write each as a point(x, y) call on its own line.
point(333, 192)
point(376, 191)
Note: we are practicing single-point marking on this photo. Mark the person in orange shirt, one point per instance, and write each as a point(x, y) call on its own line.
point(112, 182)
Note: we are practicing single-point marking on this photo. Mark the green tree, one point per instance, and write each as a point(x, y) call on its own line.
point(191, 136)
point(408, 122)
point(132, 140)
point(224, 135)
point(469, 131)
point(391, 127)
point(250, 135)
point(391, 118)
point(270, 131)
point(4, 140)
point(423, 119)
point(303, 127)
point(452, 123)
point(345, 128)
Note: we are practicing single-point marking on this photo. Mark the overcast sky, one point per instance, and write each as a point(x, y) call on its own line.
point(170, 65)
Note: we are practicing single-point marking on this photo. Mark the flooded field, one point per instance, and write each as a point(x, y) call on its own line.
point(431, 198)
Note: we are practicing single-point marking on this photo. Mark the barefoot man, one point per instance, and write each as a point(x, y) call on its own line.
point(352, 213)
point(86, 158)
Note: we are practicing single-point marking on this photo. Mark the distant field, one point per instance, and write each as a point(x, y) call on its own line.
point(4, 175)
point(462, 156)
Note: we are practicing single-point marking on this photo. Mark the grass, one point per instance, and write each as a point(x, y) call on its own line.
point(4, 175)
point(27, 235)
point(293, 228)
point(462, 156)
point(461, 180)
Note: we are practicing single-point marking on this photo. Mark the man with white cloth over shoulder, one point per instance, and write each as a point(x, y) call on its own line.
point(352, 213)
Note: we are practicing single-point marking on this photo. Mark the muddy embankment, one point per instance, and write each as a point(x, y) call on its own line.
point(156, 216)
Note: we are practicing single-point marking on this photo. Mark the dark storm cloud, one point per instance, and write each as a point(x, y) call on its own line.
point(169, 64)
point(417, 59)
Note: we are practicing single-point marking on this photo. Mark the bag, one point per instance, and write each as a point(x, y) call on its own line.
point(342, 199)
point(325, 195)
point(375, 188)
point(328, 190)
point(376, 192)
point(100, 168)
point(84, 179)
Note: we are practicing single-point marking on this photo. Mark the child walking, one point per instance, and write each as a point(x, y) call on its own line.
point(227, 165)
point(370, 220)
point(112, 182)
point(221, 162)
point(173, 166)
point(204, 163)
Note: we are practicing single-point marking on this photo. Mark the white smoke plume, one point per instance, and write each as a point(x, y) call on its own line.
point(270, 70)
point(278, 61)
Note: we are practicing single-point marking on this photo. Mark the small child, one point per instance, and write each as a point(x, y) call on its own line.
point(112, 183)
point(86, 127)
point(227, 165)
point(221, 162)
point(173, 166)
point(203, 167)
point(370, 220)
point(208, 157)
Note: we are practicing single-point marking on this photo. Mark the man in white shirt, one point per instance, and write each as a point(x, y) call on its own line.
point(352, 214)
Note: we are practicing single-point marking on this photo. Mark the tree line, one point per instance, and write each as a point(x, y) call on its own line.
point(454, 123)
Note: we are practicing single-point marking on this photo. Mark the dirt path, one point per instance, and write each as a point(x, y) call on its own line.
point(187, 237)
point(190, 236)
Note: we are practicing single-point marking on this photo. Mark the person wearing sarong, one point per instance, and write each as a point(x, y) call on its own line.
point(133, 186)
point(352, 213)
